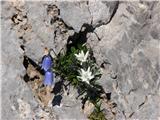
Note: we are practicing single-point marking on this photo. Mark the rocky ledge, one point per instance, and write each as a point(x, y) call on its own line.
point(124, 37)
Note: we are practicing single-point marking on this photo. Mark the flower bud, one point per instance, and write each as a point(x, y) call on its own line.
point(47, 63)
point(48, 78)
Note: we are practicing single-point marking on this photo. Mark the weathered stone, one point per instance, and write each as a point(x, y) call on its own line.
point(69, 107)
point(102, 12)
point(128, 45)
point(75, 14)
point(124, 37)
point(18, 101)
point(96, 13)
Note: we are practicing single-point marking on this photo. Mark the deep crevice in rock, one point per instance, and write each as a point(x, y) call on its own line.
point(79, 38)
point(57, 100)
point(22, 47)
point(26, 78)
point(58, 87)
point(26, 62)
point(108, 96)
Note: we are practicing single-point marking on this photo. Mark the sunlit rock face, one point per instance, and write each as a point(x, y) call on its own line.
point(125, 40)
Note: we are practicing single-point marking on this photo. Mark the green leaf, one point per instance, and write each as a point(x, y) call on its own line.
point(73, 50)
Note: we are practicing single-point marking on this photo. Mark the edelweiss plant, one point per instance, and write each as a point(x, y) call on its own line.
point(79, 67)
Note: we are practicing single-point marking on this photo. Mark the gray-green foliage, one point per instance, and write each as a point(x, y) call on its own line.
point(67, 66)
point(97, 113)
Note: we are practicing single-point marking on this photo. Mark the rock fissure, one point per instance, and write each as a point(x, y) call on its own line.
point(111, 16)
point(32, 26)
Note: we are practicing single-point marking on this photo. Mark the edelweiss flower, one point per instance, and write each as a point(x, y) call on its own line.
point(82, 57)
point(85, 76)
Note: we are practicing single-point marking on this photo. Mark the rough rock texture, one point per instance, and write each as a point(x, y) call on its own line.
point(125, 40)
point(18, 102)
point(68, 107)
point(76, 14)
point(129, 51)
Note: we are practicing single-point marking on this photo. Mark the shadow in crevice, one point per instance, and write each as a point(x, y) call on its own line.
point(108, 96)
point(83, 101)
point(25, 62)
point(58, 87)
point(57, 100)
point(79, 38)
point(26, 78)
point(28, 61)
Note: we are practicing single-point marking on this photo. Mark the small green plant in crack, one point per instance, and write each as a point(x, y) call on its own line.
point(97, 113)
point(79, 67)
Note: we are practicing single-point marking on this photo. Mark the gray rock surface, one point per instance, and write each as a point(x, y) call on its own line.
point(70, 108)
point(76, 14)
point(18, 102)
point(13, 87)
point(125, 40)
point(131, 51)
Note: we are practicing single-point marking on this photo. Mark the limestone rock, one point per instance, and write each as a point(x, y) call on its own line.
point(18, 101)
point(124, 37)
point(74, 14)
point(96, 13)
point(126, 48)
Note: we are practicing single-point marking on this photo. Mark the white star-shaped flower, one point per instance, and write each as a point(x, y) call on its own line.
point(82, 57)
point(85, 76)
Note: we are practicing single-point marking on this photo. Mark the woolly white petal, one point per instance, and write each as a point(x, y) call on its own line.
point(86, 55)
point(76, 55)
point(88, 70)
point(79, 77)
point(82, 53)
